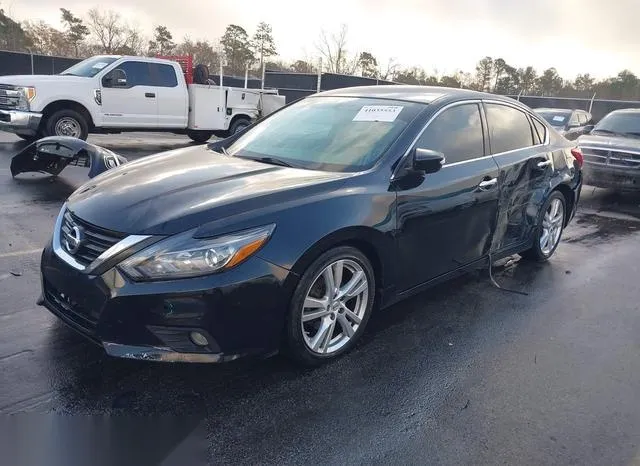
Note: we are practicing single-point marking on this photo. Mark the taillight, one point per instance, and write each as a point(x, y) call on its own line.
point(578, 156)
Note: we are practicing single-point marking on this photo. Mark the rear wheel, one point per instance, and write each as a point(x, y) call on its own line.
point(67, 122)
point(330, 307)
point(200, 136)
point(239, 125)
point(549, 229)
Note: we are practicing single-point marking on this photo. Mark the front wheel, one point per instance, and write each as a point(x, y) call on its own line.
point(200, 136)
point(330, 307)
point(549, 229)
point(67, 122)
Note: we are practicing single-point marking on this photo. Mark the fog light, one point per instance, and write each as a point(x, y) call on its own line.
point(198, 339)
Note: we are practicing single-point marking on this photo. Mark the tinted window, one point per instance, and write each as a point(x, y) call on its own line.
point(555, 117)
point(163, 75)
point(456, 132)
point(509, 128)
point(138, 73)
point(541, 130)
point(328, 133)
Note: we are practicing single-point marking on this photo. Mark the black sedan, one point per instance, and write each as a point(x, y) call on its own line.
point(612, 151)
point(570, 123)
point(288, 234)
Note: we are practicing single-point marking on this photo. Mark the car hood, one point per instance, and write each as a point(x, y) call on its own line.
point(34, 80)
point(610, 142)
point(178, 190)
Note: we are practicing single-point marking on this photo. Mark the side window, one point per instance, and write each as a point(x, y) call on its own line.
point(509, 128)
point(138, 73)
point(541, 130)
point(574, 119)
point(163, 75)
point(582, 119)
point(457, 133)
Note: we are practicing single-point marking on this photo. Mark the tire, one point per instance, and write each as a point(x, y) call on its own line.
point(541, 251)
point(67, 122)
point(238, 125)
point(200, 136)
point(303, 336)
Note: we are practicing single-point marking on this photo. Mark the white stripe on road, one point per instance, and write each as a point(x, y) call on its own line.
point(20, 253)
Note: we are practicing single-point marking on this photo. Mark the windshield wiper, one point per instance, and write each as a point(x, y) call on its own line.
point(632, 133)
point(224, 151)
point(270, 160)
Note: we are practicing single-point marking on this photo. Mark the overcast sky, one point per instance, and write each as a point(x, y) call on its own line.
point(600, 37)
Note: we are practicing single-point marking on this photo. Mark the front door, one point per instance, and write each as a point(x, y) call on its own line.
point(128, 98)
point(445, 220)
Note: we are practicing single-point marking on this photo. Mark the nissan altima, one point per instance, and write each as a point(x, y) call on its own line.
point(287, 235)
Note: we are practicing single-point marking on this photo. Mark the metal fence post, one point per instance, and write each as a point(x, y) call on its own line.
point(319, 86)
point(32, 67)
point(246, 77)
point(591, 103)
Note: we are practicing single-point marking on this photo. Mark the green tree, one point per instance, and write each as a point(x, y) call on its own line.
point(237, 48)
point(527, 77)
point(584, 83)
point(12, 35)
point(368, 65)
point(484, 73)
point(550, 83)
point(264, 45)
point(201, 51)
point(302, 66)
point(450, 81)
point(75, 29)
point(47, 40)
point(162, 43)
point(499, 66)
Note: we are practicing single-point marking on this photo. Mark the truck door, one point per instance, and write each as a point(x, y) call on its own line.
point(172, 96)
point(129, 99)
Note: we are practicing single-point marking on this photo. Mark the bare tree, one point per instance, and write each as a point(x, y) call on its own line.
point(113, 34)
point(333, 49)
point(47, 40)
point(389, 71)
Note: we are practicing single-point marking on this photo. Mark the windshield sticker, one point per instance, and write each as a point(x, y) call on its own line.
point(558, 118)
point(387, 113)
point(99, 65)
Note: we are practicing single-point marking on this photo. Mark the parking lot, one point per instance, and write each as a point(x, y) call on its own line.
point(464, 373)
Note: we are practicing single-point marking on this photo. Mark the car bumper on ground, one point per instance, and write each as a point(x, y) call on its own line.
point(612, 177)
point(239, 312)
point(16, 121)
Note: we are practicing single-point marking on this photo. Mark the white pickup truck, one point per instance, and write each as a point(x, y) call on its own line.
point(112, 94)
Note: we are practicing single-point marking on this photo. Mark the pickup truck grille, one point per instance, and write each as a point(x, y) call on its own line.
point(612, 158)
point(9, 97)
point(96, 240)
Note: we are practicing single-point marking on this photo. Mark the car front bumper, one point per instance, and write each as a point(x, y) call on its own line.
point(21, 122)
point(240, 312)
point(611, 177)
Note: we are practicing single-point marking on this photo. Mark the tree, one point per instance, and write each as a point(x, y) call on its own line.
point(415, 76)
point(528, 78)
point(12, 35)
point(46, 40)
point(76, 31)
point(202, 52)
point(584, 83)
point(484, 72)
point(388, 73)
point(333, 49)
point(368, 65)
point(114, 36)
point(264, 45)
point(237, 48)
point(450, 81)
point(302, 66)
point(162, 43)
point(499, 66)
point(550, 82)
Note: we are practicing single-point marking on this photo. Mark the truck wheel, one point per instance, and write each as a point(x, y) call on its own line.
point(239, 125)
point(67, 123)
point(200, 136)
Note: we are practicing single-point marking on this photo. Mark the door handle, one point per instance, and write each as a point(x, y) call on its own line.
point(487, 184)
point(150, 95)
point(544, 164)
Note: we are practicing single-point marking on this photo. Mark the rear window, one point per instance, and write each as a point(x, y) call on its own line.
point(555, 118)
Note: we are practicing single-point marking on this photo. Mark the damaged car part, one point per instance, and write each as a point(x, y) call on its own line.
point(53, 154)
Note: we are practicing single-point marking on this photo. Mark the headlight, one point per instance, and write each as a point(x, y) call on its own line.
point(183, 256)
point(26, 96)
point(29, 93)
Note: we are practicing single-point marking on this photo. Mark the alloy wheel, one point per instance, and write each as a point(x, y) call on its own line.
point(334, 306)
point(552, 224)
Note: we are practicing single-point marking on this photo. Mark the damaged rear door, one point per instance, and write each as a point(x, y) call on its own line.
point(53, 154)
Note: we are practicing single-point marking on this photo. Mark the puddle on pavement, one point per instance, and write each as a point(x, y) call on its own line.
point(588, 228)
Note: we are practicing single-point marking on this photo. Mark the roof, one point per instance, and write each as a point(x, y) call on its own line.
point(554, 110)
point(627, 110)
point(421, 94)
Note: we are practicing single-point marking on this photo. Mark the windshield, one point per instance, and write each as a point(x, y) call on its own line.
point(90, 67)
point(555, 118)
point(328, 133)
point(619, 122)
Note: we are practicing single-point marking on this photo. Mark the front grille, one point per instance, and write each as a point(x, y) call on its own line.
point(70, 309)
point(95, 240)
point(9, 97)
point(611, 158)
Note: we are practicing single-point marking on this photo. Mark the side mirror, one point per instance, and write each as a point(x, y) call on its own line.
point(427, 160)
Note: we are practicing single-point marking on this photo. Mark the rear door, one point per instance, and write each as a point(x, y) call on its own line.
point(133, 103)
point(172, 96)
point(445, 219)
point(519, 145)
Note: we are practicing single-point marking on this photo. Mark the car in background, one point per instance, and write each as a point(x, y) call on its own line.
point(288, 233)
point(612, 151)
point(570, 123)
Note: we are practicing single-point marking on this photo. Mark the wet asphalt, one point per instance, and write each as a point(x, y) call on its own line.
point(462, 374)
